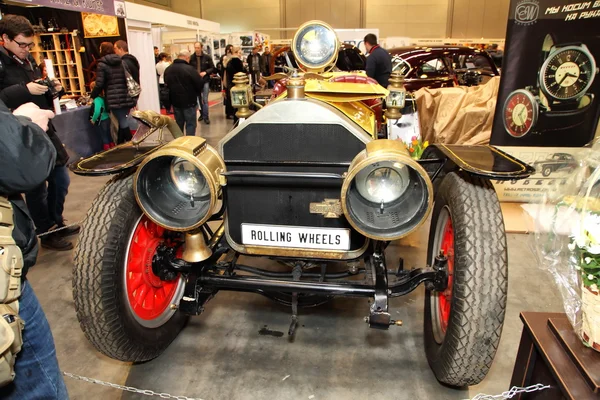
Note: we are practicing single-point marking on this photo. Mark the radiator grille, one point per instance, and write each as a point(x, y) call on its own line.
point(318, 143)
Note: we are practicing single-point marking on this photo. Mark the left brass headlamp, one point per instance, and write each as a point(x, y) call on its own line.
point(178, 186)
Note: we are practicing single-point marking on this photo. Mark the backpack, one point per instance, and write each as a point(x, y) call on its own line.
point(133, 88)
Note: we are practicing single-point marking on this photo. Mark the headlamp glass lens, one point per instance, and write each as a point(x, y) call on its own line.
point(384, 185)
point(188, 179)
point(315, 45)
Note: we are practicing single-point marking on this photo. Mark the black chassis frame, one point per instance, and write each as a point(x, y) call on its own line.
point(203, 280)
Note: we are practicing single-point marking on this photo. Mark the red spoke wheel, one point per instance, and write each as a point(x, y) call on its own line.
point(444, 299)
point(125, 311)
point(463, 323)
point(151, 300)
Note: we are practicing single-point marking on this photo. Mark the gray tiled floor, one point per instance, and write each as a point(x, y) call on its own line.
point(220, 354)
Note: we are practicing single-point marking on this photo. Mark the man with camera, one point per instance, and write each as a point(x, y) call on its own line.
point(20, 83)
point(28, 365)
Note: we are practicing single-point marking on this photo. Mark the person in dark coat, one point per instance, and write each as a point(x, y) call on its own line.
point(27, 157)
point(234, 65)
point(266, 63)
point(19, 77)
point(379, 61)
point(223, 62)
point(185, 85)
point(255, 65)
point(110, 77)
point(133, 65)
point(205, 67)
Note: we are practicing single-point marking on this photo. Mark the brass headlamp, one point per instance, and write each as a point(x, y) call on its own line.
point(396, 99)
point(386, 194)
point(178, 186)
point(241, 96)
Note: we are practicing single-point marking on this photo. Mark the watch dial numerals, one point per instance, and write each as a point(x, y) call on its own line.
point(567, 73)
point(519, 114)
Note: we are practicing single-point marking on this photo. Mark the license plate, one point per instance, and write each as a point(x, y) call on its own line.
point(296, 237)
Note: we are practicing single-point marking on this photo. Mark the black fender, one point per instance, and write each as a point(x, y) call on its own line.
point(127, 156)
point(122, 158)
point(484, 161)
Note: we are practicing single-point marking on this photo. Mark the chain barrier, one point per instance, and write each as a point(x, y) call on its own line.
point(127, 388)
point(59, 229)
point(515, 390)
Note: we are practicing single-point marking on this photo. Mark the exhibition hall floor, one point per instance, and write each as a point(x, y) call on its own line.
point(234, 351)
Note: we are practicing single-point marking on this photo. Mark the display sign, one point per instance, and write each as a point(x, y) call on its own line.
point(548, 103)
point(550, 85)
point(106, 7)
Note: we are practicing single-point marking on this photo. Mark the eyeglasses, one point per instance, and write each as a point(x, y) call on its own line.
point(28, 46)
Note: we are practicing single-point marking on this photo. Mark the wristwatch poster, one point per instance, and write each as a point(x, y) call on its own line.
point(549, 86)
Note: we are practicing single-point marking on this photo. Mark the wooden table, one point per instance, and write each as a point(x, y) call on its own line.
point(552, 354)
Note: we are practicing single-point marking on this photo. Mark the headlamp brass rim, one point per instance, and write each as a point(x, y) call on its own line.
point(380, 154)
point(327, 62)
point(213, 184)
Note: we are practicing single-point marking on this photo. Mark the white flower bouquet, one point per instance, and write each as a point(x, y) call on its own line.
point(570, 248)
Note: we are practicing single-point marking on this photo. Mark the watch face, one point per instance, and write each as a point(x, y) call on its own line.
point(568, 72)
point(520, 113)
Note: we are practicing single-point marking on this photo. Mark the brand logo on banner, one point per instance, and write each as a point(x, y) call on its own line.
point(527, 12)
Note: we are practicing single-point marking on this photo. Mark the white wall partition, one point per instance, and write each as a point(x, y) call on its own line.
point(139, 39)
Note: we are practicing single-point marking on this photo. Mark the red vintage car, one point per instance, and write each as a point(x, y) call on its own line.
point(442, 66)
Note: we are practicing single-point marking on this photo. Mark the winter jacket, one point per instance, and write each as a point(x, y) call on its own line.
point(110, 77)
point(379, 65)
point(15, 74)
point(206, 65)
point(184, 83)
point(259, 67)
point(266, 64)
point(234, 66)
point(27, 156)
point(133, 65)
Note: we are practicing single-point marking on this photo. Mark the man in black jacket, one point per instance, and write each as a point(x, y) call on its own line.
point(133, 65)
point(18, 75)
point(204, 66)
point(27, 156)
point(185, 85)
point(379, 61)
point(255, 65)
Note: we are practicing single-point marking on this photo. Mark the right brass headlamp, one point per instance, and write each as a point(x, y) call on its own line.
point(386, 194)
point(178, 186)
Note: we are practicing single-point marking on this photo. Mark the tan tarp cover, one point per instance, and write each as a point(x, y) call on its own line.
point(459, 115)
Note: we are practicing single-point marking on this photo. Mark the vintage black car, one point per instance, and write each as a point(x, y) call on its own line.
point(303, 181)
point(442, 66)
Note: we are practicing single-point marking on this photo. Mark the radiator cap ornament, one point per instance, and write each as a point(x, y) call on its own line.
point(329, 208)
point(295, 86)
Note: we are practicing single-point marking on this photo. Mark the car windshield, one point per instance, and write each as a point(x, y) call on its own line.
point(398, 64)
point(471, 61)
point(433, 68)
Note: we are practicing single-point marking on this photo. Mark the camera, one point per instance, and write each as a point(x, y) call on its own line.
point(51, 88)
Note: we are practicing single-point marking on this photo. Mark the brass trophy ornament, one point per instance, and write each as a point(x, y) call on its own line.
point(397, 97)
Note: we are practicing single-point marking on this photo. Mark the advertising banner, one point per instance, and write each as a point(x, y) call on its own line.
point(548, 103)
point(105, 7)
